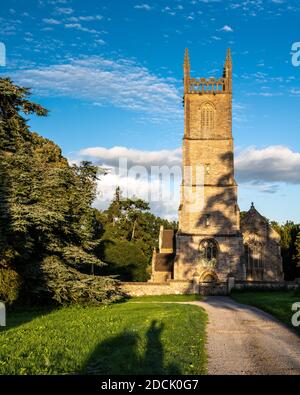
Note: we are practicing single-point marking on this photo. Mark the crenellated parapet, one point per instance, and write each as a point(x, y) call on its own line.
point(206, 85)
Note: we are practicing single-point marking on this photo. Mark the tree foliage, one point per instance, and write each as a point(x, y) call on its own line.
point(124, 259)
point(289, 245)
point(297, 248)
point(129, 229)
point(45, 204)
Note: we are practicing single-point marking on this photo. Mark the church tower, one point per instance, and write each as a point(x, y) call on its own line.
point(209, 244)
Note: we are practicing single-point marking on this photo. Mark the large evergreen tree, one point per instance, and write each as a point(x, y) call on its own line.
point(48, 232)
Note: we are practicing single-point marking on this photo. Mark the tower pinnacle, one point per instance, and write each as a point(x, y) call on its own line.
point(228, 56)
point(227, 74)
point(186, 70)
point(186, 60)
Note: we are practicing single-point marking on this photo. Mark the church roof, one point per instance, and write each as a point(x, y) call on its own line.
point(252, 215)
point(254, 221)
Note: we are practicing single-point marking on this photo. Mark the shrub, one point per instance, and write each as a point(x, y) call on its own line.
point(65, 285)
point(124, 259)
point(10, 285)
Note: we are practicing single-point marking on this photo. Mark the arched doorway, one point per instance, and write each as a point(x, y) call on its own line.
point(209, 276)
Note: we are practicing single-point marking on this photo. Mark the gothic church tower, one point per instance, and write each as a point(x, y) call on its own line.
point(209, 244)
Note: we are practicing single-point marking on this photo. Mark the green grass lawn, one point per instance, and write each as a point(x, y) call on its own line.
point(278, 303)
point(127, 338)
point(167, 298)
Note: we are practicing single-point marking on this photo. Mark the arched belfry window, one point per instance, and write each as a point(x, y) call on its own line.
point(207, 117)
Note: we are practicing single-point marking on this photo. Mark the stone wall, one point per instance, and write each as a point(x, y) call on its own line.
point(174, 287)
point(166, 288)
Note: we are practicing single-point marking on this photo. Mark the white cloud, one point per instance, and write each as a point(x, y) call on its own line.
point(295, 92)
point(99, 41)
point(65, 11)
point(134, 157)
point(270, 164)
point(55, 2)
point(140, 188)
point(261, 170)
point(122, 83)
point(78, 26)
point(145, 7)
point(88, 18)
point(138, 176)
point(51, 21)
point(264, 94)
point(168, 10)
point(226, 28)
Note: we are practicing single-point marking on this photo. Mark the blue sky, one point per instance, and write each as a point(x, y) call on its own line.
point(110, 72)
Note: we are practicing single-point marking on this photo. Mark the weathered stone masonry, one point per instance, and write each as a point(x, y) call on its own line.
point(212, 244)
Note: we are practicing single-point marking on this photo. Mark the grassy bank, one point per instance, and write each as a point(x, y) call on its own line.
point(126, 338)
point(279, 304)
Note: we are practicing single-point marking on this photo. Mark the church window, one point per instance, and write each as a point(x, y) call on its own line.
point(207, 117)
point(254, 260)
point(208, 249)
point(254, 255)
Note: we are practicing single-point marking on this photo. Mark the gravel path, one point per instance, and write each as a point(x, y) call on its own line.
point(245, 340)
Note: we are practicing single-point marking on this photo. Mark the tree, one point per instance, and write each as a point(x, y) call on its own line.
point(133, 210)
point(124, 259)
point(128, 224)
point(130, 219)
point(297, 247)
point(45, 207)
point(288, 233)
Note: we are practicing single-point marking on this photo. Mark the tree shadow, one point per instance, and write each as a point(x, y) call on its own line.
point(121, 355)
point(223, 226)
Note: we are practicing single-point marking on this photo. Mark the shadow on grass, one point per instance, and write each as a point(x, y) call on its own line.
point(120, 355)
point(18, 316)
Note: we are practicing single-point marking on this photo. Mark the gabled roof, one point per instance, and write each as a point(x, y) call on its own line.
point(254, 215)
point(254, 221)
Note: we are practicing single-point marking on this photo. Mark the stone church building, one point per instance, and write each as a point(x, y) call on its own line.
point(213, 243)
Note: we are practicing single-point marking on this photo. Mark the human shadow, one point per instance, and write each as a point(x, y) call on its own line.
point(122, 354)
